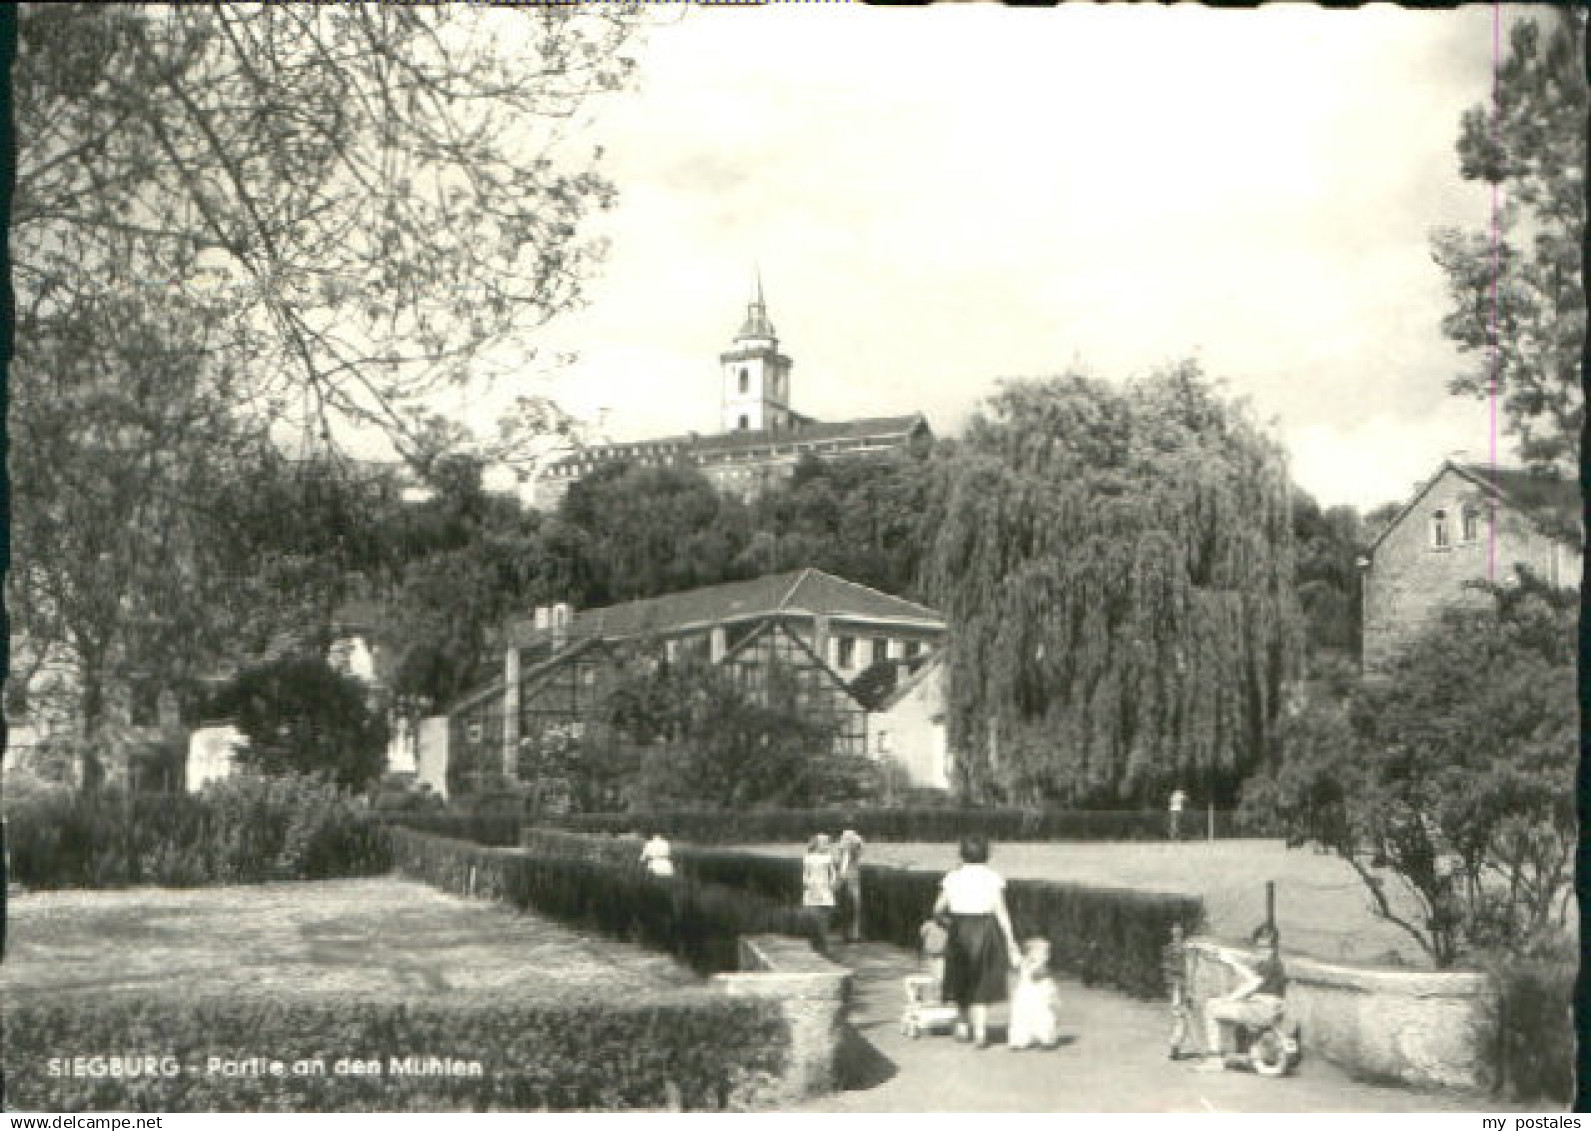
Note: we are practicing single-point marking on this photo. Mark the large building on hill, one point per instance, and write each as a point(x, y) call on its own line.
point(762, 437)
point(817, 629)
point(1467, 523)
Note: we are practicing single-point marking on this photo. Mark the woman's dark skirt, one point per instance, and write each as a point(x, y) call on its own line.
point(977, 962)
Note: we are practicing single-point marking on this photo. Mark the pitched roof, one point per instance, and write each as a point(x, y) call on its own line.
point(873, 427)
point(807, 431)
point(801, 591)
point(1526, 491)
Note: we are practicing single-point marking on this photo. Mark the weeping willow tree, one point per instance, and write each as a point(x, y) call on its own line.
point(1116, 565)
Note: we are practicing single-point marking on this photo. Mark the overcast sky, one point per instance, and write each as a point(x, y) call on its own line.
point(944, 196)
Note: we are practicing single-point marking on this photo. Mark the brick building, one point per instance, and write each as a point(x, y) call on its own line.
point(1468, 522)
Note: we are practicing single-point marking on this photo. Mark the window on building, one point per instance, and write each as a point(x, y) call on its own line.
point(847, 653)
point(880, 650)
point(1472, 524)
point(744, 422)
point(912, 648)
point(745, 380)
point(1440, 536)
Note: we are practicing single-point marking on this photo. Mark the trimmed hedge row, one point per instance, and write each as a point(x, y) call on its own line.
point(495, 829)
point(1536, 1031)
point(1104, 935)
point(687, 1049)
point(246, 829)
point(927, 825)
point(699, 923)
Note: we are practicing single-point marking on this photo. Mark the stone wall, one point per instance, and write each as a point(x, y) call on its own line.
point(813, 993)
point(1412, 1027)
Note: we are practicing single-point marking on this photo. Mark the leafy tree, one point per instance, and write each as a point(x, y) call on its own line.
point(860, 519)
point(1116, 566)
point(1454, 773)
point(302, 716)
point(644, 531)
point(1327, 547)
point(236, 225)
point(1517, 291)
point(708, 741)
point(365, 203)
point(122, 469)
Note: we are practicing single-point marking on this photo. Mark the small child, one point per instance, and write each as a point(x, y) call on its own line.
point(1174, 968)
point(935, 937)
point(1034, 1000)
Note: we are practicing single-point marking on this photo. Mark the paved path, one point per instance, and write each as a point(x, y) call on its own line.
point(1112, 1058)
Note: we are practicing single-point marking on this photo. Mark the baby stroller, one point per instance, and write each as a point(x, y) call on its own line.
point(925, 1012)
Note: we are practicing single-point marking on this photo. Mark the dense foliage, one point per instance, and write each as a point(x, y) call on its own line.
point(1456, 770)
point(687, 1050)
point(1517, 287)
point(699, 923)
point(709, 740)
point(1536, 1028)
point(243, 830)
point(1116, 565)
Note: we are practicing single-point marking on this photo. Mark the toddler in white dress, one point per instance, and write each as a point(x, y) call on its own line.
point(1034, 1000)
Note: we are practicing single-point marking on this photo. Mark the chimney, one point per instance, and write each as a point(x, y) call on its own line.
point(561, 617)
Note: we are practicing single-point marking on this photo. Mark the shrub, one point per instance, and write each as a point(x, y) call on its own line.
point(245, 829)
point(1102, 934)
point(700, 923)
point(924, 824)
point(1536, 1032)
point(682, 1049)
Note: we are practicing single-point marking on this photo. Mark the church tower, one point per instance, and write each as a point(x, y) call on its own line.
point(756, 375)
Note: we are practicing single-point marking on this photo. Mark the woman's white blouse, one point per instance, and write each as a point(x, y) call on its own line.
point(973, 889)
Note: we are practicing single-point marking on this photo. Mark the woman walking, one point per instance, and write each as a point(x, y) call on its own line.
point(982, 947)
point(817, 884)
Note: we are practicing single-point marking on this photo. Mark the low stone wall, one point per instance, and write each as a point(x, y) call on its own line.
point(1413, 1027)
point(813, 994)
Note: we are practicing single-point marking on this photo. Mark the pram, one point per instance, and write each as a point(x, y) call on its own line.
point(925, 1012)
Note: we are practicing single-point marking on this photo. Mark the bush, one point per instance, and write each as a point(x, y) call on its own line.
point(1536, 1032)
point(925, 824)
point(683, 1049)
point(699, 923)
point(245, 829)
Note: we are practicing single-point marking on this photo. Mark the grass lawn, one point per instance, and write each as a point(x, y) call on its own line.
point(1321, 904)
point(365, 938)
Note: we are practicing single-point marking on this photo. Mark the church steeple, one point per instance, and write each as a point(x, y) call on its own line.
point(757, 324)
point(756, 375)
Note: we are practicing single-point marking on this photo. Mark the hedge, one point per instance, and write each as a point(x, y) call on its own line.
point(1536, 1031)
point(699, 923)
point(925, 825)
point(243, 830)
point(1107, 935)
point(495, 829)
point(685, 1049)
